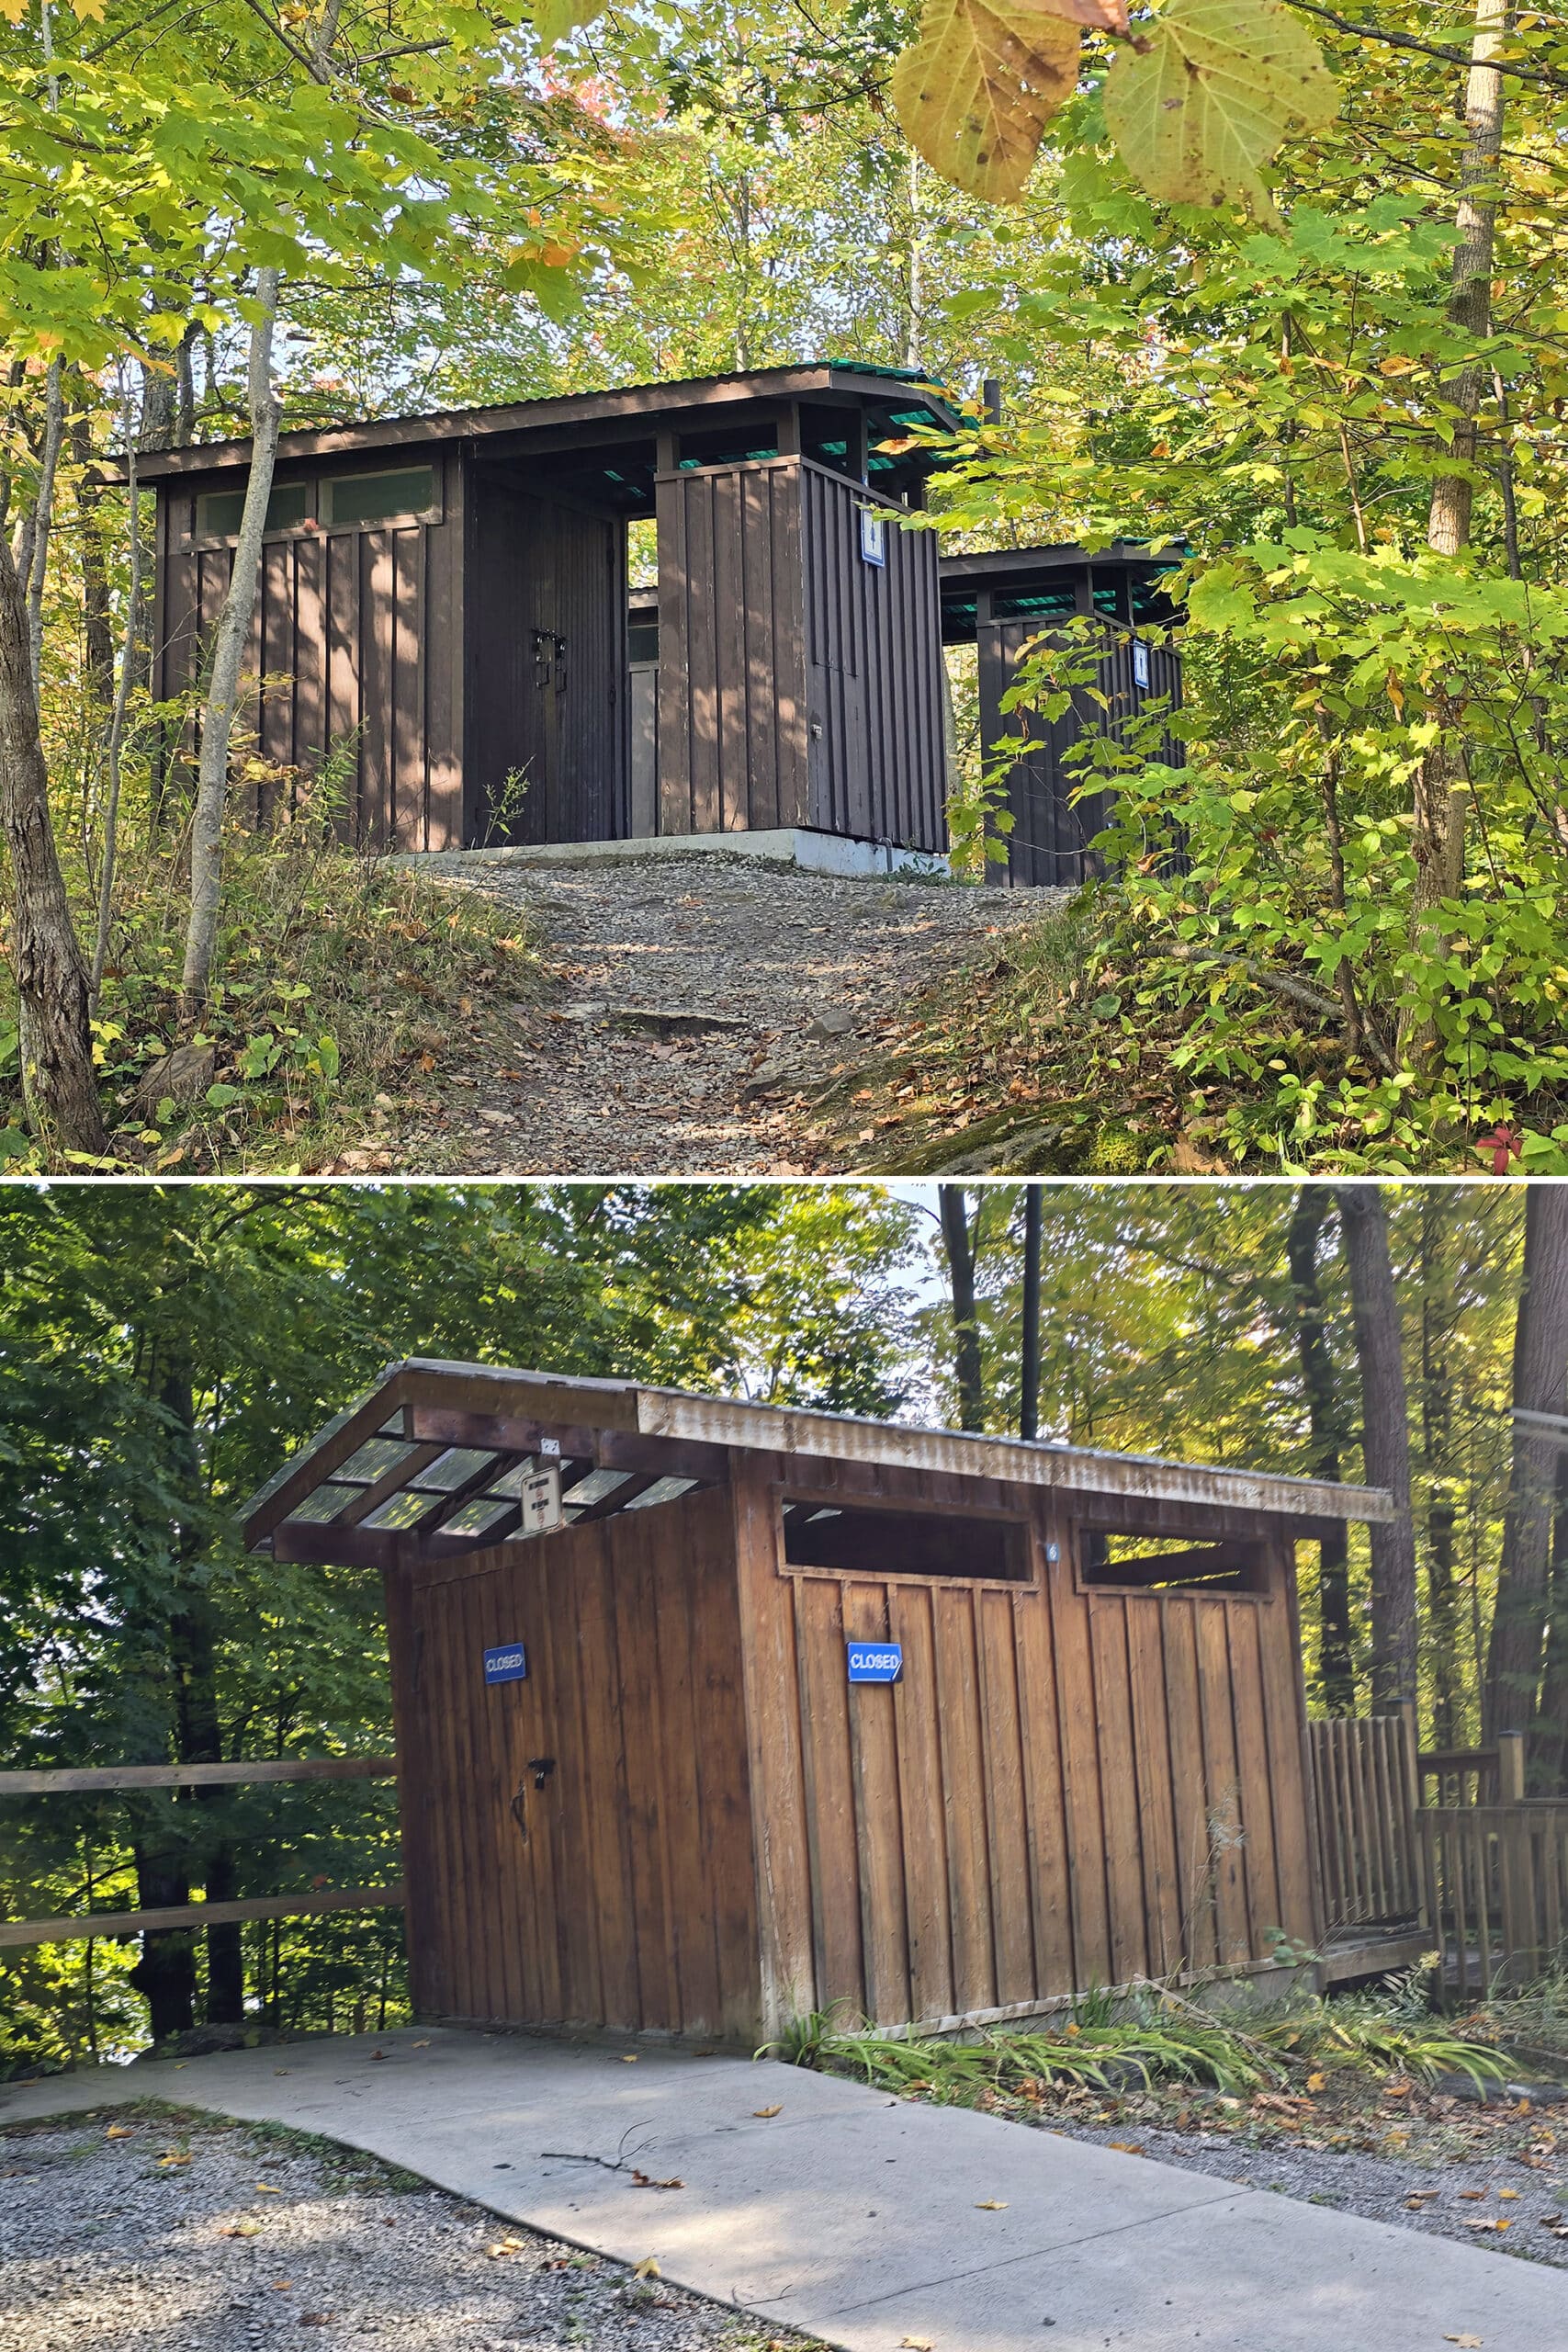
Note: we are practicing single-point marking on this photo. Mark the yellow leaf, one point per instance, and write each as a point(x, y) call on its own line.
point(977, 87)
point(765, 2112)
point(1507, 2192)
point(1466, 2343)
point(13, 10)
point(990, 2205)
point(121, 2131)
point(1212, 92)
point(90, 11)
point(628, 2058)
point(265, 2189)
point(1316, 2082)
point(555, 18)
point(646, 2269)
point(916, 2344)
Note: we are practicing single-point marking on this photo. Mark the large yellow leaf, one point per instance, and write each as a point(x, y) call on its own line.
point(555, 18)
point(978, 86)
point(1218, 85)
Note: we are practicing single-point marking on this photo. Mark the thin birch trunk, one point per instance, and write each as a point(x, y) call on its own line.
point(117, 723)
point(231, 636)
point(43, 514)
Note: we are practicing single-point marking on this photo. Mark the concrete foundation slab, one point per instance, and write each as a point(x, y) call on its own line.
point(813, 852)
point(862, 2219)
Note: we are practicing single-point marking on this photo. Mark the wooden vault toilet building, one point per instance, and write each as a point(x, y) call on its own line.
point(653, 1775)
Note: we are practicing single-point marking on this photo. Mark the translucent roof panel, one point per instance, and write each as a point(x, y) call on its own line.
point(476, 1518)
point(405, 1509)
point(595, 1485)
point(455, 1467)
point(664, 1490)
point(322, 1505)
point(374, 1458)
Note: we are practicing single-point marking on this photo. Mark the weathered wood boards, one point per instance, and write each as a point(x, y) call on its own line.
point(1066, 1787)
point(692, 1815)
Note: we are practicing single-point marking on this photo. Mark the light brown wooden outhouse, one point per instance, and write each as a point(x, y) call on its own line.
point(644, 1785)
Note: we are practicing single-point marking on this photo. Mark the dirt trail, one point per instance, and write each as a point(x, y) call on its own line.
point(691, 1001)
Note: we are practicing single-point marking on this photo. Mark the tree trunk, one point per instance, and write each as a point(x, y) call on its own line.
point(1436, 1425)
point(165, 1974)
point(1441, 780)
point(1029, 1369)
point(231, 637)
point(1326, 1422)
point(959, 1243)
point(1514, 1654)
point(97, 604)
point(1549, 1748)
point(43, 519)
point(198, 1736)
point(1385, 1440)
point(60, 1091)
point(115, 746)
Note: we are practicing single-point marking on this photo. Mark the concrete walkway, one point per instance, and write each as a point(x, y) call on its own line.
point(857, 2216)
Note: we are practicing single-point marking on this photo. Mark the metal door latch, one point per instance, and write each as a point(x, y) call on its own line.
point(541, 1768)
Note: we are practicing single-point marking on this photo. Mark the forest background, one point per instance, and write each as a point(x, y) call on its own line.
point(163, 1350)
point(1336, 372)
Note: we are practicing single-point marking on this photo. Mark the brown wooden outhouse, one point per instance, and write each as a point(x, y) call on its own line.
point(1004, 602)
point(443, 602)
point(655, 1774)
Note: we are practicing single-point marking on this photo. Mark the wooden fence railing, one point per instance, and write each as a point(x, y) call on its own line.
point(307, 1904)
point(1364, 1785)
point(1475, 1775)
point(1495, 1884)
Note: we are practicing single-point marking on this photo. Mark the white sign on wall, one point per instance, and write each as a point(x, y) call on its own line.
point(539, 1500)
point(874, 537)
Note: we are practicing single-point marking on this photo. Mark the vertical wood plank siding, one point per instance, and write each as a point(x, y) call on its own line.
point(1364, 1774)
point(355, 640)
point(1067, 1787)
point(873, 639)
point(732, 696)
point(625, 1895)
point(1051, 833)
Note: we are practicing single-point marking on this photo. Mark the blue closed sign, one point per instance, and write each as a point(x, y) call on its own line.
point(875, 1662)
point(509, 1664)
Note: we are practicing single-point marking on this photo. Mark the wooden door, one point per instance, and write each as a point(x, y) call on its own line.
point(585, 1829)
point(547, 673)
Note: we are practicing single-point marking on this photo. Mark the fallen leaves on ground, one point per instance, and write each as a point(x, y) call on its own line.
point(265, 2189)
point(504, 2247)
point(990, 2205)
point(121, 2131)
point(764, 2112)
point(645, 2180)
point(1466, 2343)
point(646, 2269)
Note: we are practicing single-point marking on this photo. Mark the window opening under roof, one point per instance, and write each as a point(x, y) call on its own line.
point(219, 513)
point(349, 498)
point(855, 1539)
point(1140, 1563)
point(456, 1467)
point(729, 445)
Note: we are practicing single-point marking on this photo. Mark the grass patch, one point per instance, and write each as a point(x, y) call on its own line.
point(342, 986)
point(1153, 2038)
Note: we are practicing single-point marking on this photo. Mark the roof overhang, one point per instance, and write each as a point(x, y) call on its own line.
point(653, 404)
point(453, 1437)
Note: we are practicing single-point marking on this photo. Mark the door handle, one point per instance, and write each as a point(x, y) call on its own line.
point(541, 1768)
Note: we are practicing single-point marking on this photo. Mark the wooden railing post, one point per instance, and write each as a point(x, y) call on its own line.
point(1510, 1767)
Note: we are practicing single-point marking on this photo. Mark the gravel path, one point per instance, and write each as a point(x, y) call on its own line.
point(695, 999)
point(1453, 2197)
point(223, 2239)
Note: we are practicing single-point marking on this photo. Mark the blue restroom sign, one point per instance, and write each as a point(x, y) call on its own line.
point(508, 1664)
point(875, 1662)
